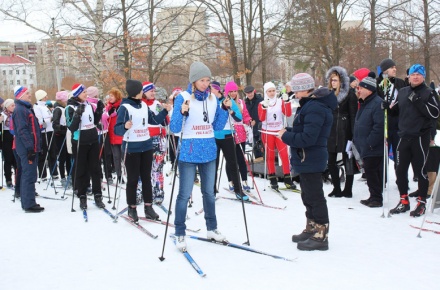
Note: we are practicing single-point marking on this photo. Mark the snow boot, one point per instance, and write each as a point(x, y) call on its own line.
point(288, 182)
point(83, 202)
point(132, 213)
point(181, 243)
point(216, 235)
point(403, 205)
point(307, 233)
point(150, 213)
point(273, 181)
point(420, 208)
point(35, 209)
point(98, 200)
point(319, 240)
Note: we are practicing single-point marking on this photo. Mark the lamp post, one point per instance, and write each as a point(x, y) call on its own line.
point(54, 42)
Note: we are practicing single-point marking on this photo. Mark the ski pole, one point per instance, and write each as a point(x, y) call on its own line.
point(185, 115)
point(76, 165)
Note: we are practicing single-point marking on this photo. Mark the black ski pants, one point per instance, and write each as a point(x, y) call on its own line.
point(139, 164)
point(86, 166)
point(227, 146)
point(373, 167)
point(312, 196)
point(412, 151)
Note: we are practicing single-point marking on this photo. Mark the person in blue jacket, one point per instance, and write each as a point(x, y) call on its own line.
point(133, 120)
point(308, 141)
point(27, 146)
point(369, 138)
point(197, 114)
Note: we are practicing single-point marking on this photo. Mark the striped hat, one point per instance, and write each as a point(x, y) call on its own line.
point(77, 89)
point(147, 86)
point(19, 91)
point(369, 82)
point(302, 82)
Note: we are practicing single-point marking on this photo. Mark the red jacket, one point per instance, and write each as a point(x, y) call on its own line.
point(113, 138)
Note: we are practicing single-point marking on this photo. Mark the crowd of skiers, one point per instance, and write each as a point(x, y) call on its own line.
point(131, 136)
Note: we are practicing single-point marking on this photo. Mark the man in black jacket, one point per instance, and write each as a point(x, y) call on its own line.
point(252, 101)
point(418, 107)
point(388, 86)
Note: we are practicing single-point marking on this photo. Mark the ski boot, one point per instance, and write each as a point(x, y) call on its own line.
point(150, 213)
point(403, 205)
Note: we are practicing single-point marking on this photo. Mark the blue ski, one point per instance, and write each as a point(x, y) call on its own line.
point(192, 262)
point(240, 247)
point(86, 218)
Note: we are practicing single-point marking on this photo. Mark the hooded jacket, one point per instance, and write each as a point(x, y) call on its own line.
point(344, 114)
point(26, 128)
point(311, 129)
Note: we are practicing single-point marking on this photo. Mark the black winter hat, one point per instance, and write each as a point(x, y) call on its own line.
point(386, 64)
point(133, 88)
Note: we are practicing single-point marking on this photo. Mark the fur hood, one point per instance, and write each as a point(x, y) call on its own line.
point(345, 81)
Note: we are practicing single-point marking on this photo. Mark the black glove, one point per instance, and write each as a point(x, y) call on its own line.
point(99, 126)
point(31, 155)
point(100, 106)
point(385, 105)
point(80, 110)
point(111, 111)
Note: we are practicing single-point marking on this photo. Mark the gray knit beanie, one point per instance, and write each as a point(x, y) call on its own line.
point(197, 71)
point(302, 82)
point(369, 82)
point(386, 64)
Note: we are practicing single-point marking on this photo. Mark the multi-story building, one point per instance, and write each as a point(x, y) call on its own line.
point(183, 29)
point(16, 70)
point(25, 49)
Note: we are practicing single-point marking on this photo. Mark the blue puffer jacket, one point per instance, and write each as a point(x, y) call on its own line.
point(26, 128)
point(197, 150)
point(311, 129)
point(369, 127)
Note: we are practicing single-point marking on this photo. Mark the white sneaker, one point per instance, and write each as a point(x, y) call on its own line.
point(181, 243)
point(216, 235)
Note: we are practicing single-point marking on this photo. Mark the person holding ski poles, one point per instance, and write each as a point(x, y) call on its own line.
point(82, 120)
point(197, 114)
point(132, 123)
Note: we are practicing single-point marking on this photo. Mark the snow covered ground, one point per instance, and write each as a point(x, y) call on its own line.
point(56, 249)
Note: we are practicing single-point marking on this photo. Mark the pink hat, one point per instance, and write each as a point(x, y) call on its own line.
point(230, 86)
point(361, 73)
point(61, 96)
point(92, 92)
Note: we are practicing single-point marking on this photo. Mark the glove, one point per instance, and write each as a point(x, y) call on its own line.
point(385, 105)
point(100, 106)
point(99, 126)
point(265, 104)
point(31, 155)
point(80, 110)
point(285, 97)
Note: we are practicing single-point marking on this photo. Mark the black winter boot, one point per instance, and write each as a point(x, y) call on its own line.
point(307, 233)
point(132, 213)
point(98, 200)
point(420, 208)
point(319, 240)
point(83, 202)
point(288, 182)
point(273, 181)
point(348, 187)
point(150, 213)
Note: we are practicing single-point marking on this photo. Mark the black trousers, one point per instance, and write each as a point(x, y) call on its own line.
point(412, 151)
point(52, 156)
point(227, 146)
point(86, 162)
point(312, 196)
point(241, 162)
point(64, 159)
point(8, 155)
point(139, 165)
point(373, 167)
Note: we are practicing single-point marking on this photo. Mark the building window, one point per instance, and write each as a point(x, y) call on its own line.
point(24, 71)
point(4, 72)
point(30, 76)
point(18, 82)
point(10, 72)
point(17, 71)
point(24, 82)
point(11, 82)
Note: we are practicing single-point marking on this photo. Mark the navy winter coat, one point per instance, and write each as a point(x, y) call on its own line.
point(26, 128)
point(311, 129)
point(369, 127)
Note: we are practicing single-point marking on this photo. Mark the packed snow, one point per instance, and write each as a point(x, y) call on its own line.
point(56, 249)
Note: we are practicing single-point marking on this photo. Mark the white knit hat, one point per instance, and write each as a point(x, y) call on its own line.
point(40, 94)
point(7, 103)
point(302, 82)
